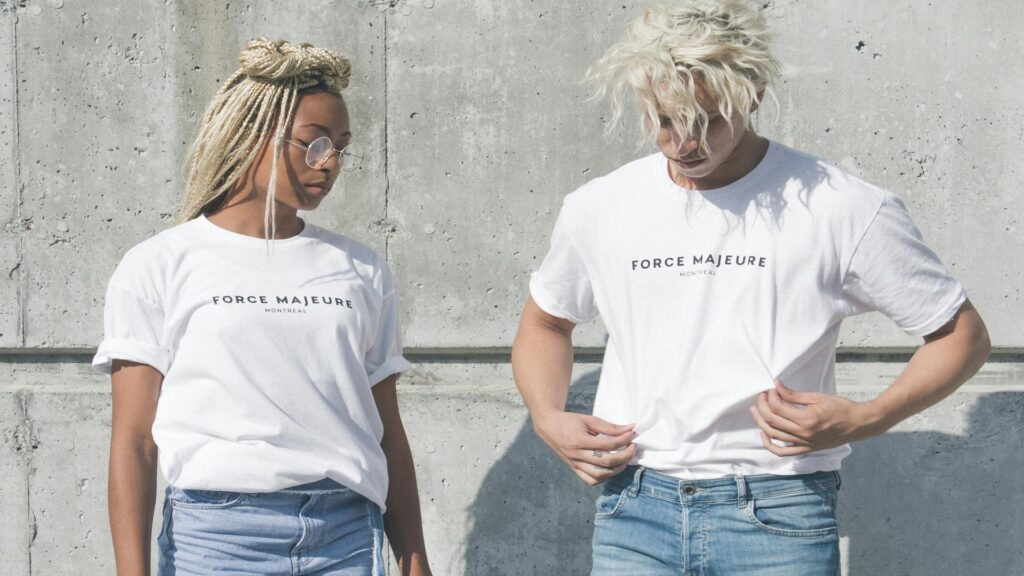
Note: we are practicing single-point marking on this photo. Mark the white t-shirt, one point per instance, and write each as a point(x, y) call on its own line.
point(268, 360)
point(708, 296)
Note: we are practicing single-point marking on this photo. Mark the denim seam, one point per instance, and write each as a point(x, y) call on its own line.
point(705, 520)
point(373, 533)
point(207, 505)
point(683, 550)
point(615, 510)
point(296, 554)
point(813, 533)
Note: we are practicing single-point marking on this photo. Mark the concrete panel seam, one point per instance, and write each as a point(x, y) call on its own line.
point(16, 173)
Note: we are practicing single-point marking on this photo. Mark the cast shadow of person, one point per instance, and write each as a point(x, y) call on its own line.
point(935, 504)
point(532, 515)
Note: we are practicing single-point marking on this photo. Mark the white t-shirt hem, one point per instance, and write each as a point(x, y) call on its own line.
point(393, 365)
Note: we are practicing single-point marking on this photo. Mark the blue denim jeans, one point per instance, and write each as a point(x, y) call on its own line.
point(651, 524)
point(321, 528)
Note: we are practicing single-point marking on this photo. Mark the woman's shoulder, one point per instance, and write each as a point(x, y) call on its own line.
point(368, 262)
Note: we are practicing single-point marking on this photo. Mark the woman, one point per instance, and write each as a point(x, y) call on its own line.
point(259, 353)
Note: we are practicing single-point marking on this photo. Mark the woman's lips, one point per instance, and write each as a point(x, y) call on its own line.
point(319, 188)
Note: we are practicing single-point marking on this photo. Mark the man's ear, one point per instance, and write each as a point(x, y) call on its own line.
point(757, 102)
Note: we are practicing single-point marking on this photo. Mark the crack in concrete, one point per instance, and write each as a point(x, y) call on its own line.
point(387, 176)
point(25, 444)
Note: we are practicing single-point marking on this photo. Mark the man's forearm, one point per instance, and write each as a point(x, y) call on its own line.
point(938, 368)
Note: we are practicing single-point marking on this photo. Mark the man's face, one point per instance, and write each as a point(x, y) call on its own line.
point(689, 165)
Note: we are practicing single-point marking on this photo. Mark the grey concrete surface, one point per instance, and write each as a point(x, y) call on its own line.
point(10, 305)
point(477, 126)
point(936, 496)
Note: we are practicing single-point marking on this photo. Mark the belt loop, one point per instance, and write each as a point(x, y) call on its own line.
point(741, 492)
point(634, 486)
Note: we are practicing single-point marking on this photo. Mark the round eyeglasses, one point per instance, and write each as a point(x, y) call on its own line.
point(319, 152)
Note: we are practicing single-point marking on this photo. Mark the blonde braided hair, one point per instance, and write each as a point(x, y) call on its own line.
point(260, 95)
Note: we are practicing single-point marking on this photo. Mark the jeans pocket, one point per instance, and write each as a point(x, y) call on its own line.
point(610, 502)
point(204, 499)
point(806, 514)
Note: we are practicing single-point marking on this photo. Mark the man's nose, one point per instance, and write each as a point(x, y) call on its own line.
point(688, 145)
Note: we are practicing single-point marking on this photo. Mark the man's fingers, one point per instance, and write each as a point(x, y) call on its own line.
point(607, 428)
point(590, 480)
point(774, 433)
point(794, 397)
point(783, 450)
point(768, 413)
point(601, 474)
point(603, 459)
point(606, 443)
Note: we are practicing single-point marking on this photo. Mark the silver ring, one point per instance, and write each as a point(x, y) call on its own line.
point(597, 453)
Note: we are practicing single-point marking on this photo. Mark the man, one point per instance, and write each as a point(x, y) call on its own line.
point(722, 267)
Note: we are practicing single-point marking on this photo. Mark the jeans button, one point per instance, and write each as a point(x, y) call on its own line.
point(689, 490)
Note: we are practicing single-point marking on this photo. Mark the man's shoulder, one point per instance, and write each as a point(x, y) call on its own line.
point(823, 184)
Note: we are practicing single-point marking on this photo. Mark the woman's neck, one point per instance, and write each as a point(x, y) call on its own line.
point(244, 214)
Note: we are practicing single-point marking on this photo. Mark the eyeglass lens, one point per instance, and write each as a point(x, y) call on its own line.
point(320, 151)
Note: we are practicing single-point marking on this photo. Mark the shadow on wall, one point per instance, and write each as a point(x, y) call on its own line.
point(912, 503)
point(933, 504)
point(532, 514)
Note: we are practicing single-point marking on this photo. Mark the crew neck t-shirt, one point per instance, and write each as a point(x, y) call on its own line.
point(707, 296)
point(269, 355)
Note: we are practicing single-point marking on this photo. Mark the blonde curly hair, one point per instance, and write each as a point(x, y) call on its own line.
point(258, 98)
point(674, 47)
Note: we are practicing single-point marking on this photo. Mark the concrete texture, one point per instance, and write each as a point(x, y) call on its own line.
point(477, 126)
point(936, 496)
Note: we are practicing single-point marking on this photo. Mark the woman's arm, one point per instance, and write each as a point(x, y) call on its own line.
point(402, 522)
point(131, 481)
point(949, 357)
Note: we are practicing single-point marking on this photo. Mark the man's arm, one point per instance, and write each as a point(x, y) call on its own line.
point(948, 358)
point(131, 479)
point(402, 522)
point(542, 365)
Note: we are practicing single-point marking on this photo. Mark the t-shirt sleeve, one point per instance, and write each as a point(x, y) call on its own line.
point(384, 357)
point(133, 330)
point(562, 286)
point(894, 272)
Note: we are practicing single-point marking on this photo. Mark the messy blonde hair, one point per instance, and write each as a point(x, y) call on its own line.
point(674, 46)
point(258, 98)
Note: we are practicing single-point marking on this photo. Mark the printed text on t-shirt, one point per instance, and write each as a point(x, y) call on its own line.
point(716, 260)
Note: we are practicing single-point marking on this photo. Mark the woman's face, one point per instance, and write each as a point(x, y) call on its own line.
point(298, 186)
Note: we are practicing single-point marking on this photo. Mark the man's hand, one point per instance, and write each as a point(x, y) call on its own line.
point(811, 421)
point(574, 437)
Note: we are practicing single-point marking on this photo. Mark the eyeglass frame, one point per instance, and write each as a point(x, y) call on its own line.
point(339, 152)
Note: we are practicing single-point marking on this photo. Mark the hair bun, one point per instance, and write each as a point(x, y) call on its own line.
point(277, 60)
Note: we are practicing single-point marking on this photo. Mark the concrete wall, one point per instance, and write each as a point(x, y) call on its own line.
point(479, 126)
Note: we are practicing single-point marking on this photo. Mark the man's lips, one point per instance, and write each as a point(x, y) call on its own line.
point(688, 162)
